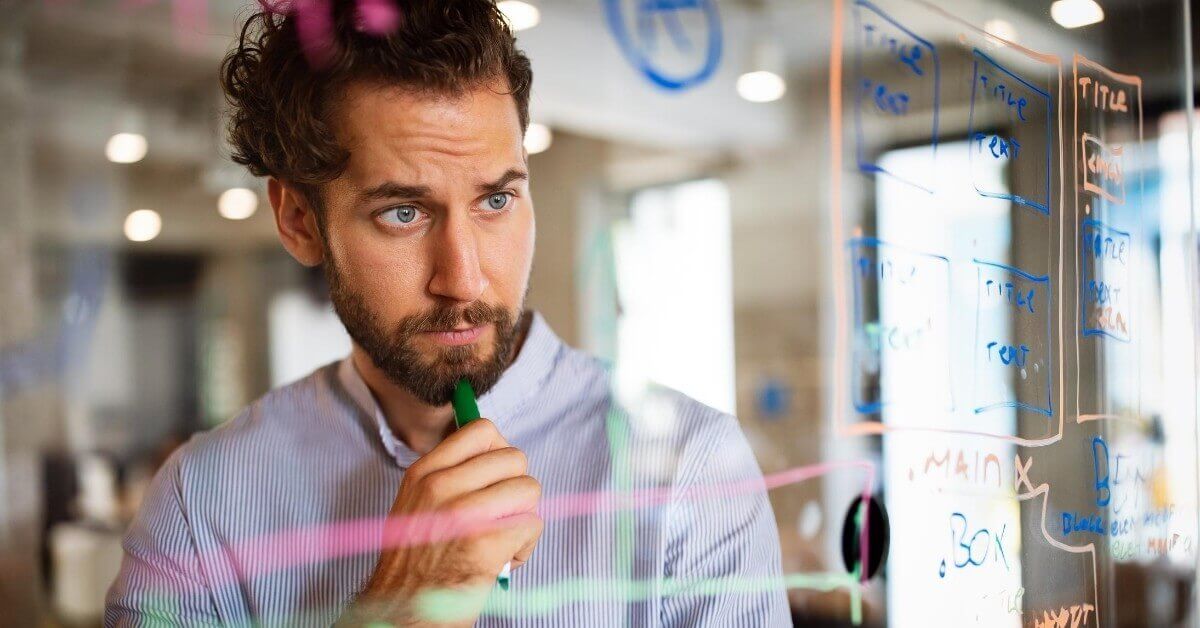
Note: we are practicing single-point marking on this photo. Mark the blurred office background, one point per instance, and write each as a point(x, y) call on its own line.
point(144, 294)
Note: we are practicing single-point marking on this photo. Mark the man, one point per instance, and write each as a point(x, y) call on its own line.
point(395, 159)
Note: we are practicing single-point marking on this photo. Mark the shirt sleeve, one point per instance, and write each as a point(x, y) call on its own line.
point(161, 580)
point(722, 563)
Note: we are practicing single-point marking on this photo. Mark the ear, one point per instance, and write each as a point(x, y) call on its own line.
point(296, 223)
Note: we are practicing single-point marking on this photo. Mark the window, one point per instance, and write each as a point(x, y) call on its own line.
point(674, 282)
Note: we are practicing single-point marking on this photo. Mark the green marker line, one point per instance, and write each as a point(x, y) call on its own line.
point(445, 605)
point(453, 604)
point(466, 409)
point(621, 473)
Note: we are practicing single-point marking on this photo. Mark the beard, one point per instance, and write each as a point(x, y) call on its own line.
point(430, 377)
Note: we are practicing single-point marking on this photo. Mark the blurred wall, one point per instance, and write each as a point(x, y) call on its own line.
point(563, 181)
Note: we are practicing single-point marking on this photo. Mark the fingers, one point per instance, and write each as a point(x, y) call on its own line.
point(500, 521)
point(505, 498)
point(477, 473)
point(530, 537)
point(477, 437)
point(513, 541)
point(481, 502)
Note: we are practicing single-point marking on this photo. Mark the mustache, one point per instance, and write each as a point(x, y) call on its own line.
point(447, 318)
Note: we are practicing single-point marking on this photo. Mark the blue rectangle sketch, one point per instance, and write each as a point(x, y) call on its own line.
point(903, 84)
point(1105, 297)
point(900, 327)
point(1022, 105)
point(1013, 349)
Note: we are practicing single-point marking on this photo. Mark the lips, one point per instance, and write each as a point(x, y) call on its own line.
point(456, 337)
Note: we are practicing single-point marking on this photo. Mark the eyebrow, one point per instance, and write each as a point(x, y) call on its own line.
point(393, 189)
point(510, 175)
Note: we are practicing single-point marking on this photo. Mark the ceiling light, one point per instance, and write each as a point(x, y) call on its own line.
point(237, 203)
point(142, 225)
point(125, 148)
point(537, 138)
point(1076, 13)
point(761, 86)
point(763, 79)
point(1000, 28)
point(520, 15)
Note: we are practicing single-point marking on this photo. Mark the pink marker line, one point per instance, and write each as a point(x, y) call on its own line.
point(285, 549)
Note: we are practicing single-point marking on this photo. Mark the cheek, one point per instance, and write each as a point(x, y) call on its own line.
point(528, 232)
point(380, 278)
point(510, 259)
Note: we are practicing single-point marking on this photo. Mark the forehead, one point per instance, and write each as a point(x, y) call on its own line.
point(396, 132)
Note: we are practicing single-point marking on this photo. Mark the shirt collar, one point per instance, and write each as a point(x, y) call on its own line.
point(520, 382)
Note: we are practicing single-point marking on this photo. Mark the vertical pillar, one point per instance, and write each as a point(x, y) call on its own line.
point(20, 481)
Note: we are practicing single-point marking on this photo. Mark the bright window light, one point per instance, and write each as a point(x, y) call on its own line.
point(761, 86)
point(142, 225)
point(520, 15)
point(1076, 13)
point(675, 277)
point(1175, 386)
point(237, 203)
point(537, 138)
point(125, 148)
point(967, 227)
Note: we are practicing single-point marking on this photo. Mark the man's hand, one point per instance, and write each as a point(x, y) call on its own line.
point(474, 488)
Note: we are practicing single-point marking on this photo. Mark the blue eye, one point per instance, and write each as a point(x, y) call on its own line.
point(498, 201)
point(404, 214)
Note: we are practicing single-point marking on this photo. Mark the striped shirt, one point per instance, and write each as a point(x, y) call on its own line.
point(654, 507)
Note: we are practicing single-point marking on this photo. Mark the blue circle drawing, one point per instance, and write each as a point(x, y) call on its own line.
point(649, 15)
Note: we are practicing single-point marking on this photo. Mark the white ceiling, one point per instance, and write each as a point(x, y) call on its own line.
point(90, 62)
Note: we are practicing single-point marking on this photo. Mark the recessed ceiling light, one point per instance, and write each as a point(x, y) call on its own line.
point(125, 148)
point(1001, 28)
point(537, 138)
point(142, 225)
point(761, 86)
point(762, 78)
point(237, 203)
point(1076, 13)
point(520, 15)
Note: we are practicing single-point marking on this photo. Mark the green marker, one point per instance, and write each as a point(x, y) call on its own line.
point(465, 408)
point(465, 411)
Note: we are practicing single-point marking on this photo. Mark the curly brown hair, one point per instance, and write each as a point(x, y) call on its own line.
point(294, 58)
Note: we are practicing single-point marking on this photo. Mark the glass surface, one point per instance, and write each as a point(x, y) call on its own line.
point(952, 266)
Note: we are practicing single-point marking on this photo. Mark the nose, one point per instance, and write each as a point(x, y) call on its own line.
point(457, 275)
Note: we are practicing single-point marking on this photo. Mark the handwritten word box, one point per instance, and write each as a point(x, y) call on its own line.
point(1103, 169)
point(1012, 340)
point(901, 303)
point(1011, 121)
point(1105, 297)
point(895, 81)
point(975, 546)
